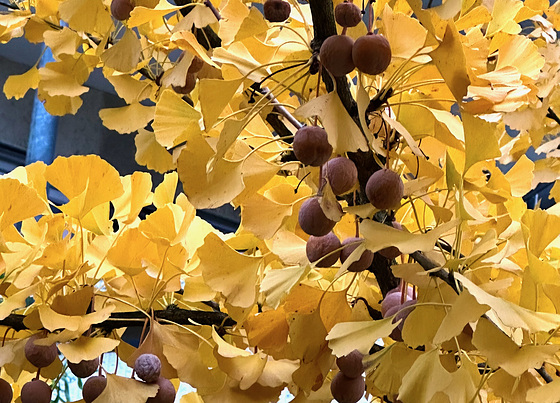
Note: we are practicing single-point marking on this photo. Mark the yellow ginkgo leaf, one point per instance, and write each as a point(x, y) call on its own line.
point(64, 77)
point(141, 15)
point(544, 394)
point(268, 330)
point(16, 86)
point(422, 324)
point(63, 42)
point(206, 190)
point(449, 57)
point(343, 133)
point(52, 320)
point(151, 153)
point(131, 89)
point(15, 300)
point(403, 46)
point(86, 15)
point(187, 41)
point(127, 119)
point(245, 370)
point(169, 223)
point(539, 229)
point(125, 54)
point(211, 105)
point(59, 105)
point(130, 251)
point(87, 348)
point(175, 120)
point(126, 390)
point(228, 271)
point(425, 378)
point(346, 337)
point(391, 364)
point(278, 283)
point(262, 216)
point(186, 359)
point(137, 194)
point(18, 202)
point(510, 314)
point(464, 309)
point(165, 191)
point(502, 352)
point(481, 142)
point(503, 14)
point(520, 52)
point(379, 236)
point(92, 182)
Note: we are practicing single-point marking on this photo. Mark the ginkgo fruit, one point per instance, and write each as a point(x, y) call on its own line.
point(351, 364)
point(40, 356)
point(36, 391)
point(365, 260)
point(347, 390)
point(318, 247)
point(347, 14)
point(84, 368)
point(341, 173)
point(166, 392)
point(148, 367)
point(93, 387)
point(392, 252)
point(276, 10)
point(336, 55)
point(6, 392)
point(384, 189)
point(311, 145)
point(121, 9)
point(313, 220)
point(371, 54)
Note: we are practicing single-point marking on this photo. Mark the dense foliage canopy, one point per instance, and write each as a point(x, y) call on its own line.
point(447, 285)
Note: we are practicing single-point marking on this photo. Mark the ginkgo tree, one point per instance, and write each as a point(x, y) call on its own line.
point(382, 249)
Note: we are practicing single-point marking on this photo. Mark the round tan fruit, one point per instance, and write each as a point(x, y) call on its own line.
point(347, 14)
point(371, 54)
point(36, 391)
point(165, 394)
point(83, 369)
point(40, 356)
point(351, 364)
point(276, 10)
point(148, 367)
point(341, 173)
point(121, 9)
point(347, 390)
point(319, 246)
point(363, 262)
point(384, 189)
point(336, 55)
point(312, 220)
point(6, 392)
point(93, 388)
point(311, 146)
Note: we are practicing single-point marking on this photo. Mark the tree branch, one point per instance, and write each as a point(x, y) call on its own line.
point(322, 12)
point(129, 319)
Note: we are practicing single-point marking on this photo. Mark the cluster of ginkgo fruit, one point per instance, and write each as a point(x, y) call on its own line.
point(147, 367)
point(348, 384)
point(384, 190)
